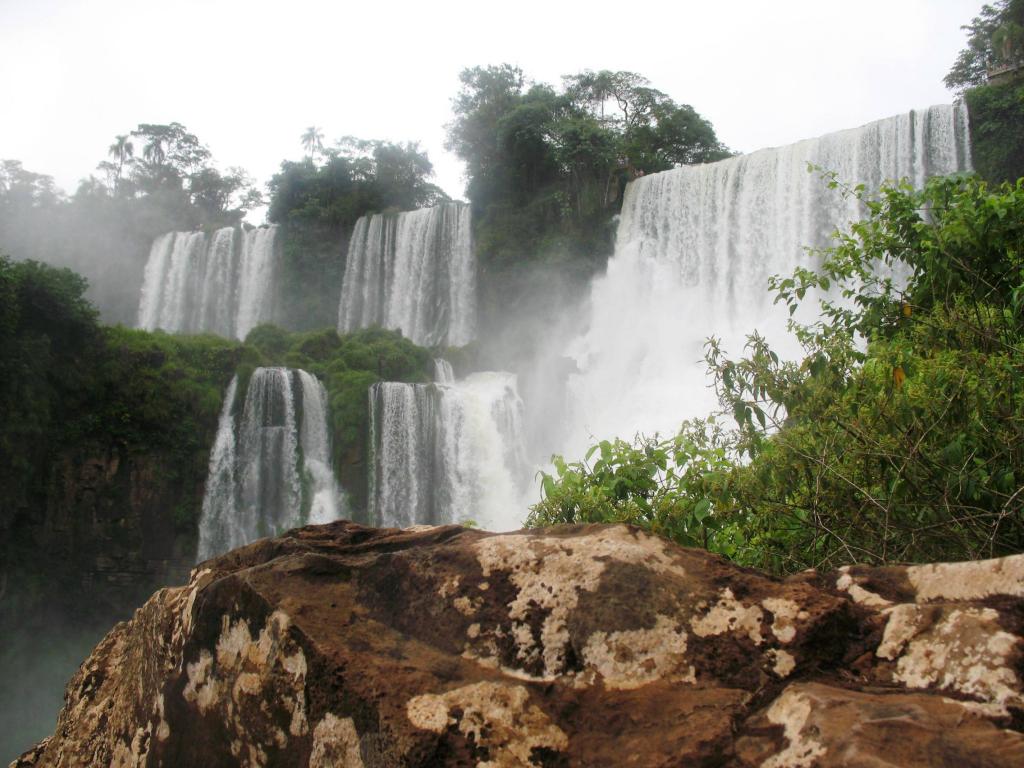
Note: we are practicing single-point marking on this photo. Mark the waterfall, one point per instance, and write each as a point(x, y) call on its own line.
point(218, 524)
point(256, 280)
point(402, 471)
point(412, 271)
point(443, 373)
point(269, 469)
point(316, 450)
point(195, 283)
point(694, 250)
point(448, 452)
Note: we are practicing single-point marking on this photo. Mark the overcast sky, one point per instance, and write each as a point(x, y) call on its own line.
point(249, 76)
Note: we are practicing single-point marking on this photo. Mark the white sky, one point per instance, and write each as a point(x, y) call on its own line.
point(249, 77)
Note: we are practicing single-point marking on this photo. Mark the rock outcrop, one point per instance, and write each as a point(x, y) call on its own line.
point(341, 645)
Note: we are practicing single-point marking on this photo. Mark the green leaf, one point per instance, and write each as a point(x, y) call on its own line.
point(701, 509)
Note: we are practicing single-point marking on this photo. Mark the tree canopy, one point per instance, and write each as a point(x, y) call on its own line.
point(995, 40)
point(517, 137)
point(357, 177)
point(545, 163)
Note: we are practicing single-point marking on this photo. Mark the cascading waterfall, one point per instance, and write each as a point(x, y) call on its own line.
point(414, 271)
point(220, 283)
point(255, 286)
point(448, 452)
point(316, 450)
point(443, 372)
point(218, 523)
point(694, 250)
point(260, 483)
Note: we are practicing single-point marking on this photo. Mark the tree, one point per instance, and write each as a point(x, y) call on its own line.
point(123, 152)
point(313, 142)
point(545, 168)
point(171, 154)
point(995, 39)
point(486, 96)
point(358, 177)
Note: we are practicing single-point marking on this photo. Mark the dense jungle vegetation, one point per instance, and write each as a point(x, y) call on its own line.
point(546, 168)
point(66, 381)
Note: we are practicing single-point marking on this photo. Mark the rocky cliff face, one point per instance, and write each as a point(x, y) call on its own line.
point(575, 646)
point(108, 530)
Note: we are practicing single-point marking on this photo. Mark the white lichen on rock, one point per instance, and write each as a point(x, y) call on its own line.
point(201, 688)
point(787, 616)
point(729, 615)
point(549, 574)
point(335, 744)
point(496, 716)
point(960, 649)
point(246, 672)
point(973, 580)
point(633, 658)
point(792, 710)
point(783, 662)
point(846, 583)
point(904, 622)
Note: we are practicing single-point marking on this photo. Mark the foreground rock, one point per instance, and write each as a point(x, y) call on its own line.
point(575, 646)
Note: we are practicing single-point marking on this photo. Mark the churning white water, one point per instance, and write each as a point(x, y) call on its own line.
point(259, 483)
point(695, 248)
point(221, 283)
point(412, 271)
point(443, 372)
point(448, 452)
point(316, 451)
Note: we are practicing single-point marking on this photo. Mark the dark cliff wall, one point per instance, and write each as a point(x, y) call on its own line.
point(109, 528)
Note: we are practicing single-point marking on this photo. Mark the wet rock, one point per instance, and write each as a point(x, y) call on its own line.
point(341, 645)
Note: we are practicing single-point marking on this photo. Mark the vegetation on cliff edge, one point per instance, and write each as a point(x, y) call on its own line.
point(898, 437)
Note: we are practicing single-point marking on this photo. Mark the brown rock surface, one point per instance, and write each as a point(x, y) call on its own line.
point(341, 645)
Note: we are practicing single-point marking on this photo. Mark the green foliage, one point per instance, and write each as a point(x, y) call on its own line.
point(671, 487)
point(546, 169)
point(900, 434)
point(997, 131)
point(161, 391)
point(358, 177)
point(48, 333)
point(995, 40)
point(67, 385)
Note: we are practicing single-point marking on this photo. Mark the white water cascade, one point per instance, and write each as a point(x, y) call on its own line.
point(695, 248)
point(412, 271)
point(260, 483)
point(221, 283)
point(443, 371)
point(448, 452)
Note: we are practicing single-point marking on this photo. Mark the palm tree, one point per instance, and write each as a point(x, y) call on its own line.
point(122, 150)
point(154, 151)
point(313, 142)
